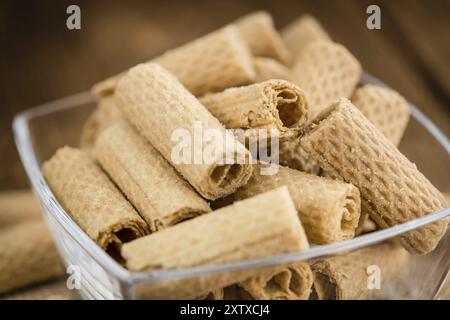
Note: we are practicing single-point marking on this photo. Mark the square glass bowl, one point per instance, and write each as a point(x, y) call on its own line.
point(40, 131)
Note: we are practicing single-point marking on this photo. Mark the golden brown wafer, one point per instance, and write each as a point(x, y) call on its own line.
point(102, 117)
point(27, 255)
point(272, 104)
point(346, 276)
point(393, 191)
point(258, 227)
point(292, 155)
point(329, 209)
point(301, 32)
point(92, 200)
point(289, 282)
point(163, 111)
point(161, 196)
point(385, 108)
point(211, 63)
point(268, 68)
point(258, 31)
point(326, 71)
point(18, 206)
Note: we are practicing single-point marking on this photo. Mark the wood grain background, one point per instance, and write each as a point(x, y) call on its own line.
point(41, 60)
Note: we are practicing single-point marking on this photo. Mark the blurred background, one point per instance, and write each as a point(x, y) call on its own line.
point(42, 60)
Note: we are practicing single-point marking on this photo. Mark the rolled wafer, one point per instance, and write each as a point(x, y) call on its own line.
point(393, 191)
point(289, 282)
point(258, 31)
point(267, 69)
point(301, 32)
point(328, 209)
point(292, 155)
point(92, 200)
point(17, 206)
point(272, 104)
point(326, 71)
point(104, 115)
point(258, 227)
point(346, 276)
point(27, 255)
point(161, 196)
point(213, 295)
point(163, 111)
point(385, 108)
point(211, 63)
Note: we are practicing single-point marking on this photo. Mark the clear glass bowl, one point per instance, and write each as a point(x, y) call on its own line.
point(41, 130)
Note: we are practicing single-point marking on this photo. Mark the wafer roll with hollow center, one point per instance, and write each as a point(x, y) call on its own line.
point(393, 191)
point(17, 206)
point(301, 32)
point(92, 200)
point(27, 255)
point(346, 276)
point(161, 196)
point(329, 209)
point(385, 108)
point(290, 282)
point(326, 71)
point(104, 115)
point(176, 124)
point(258, 227)
point(258, 31)
point(267, 69)
point(272, 104)
point(211, 63)
point(292, 155)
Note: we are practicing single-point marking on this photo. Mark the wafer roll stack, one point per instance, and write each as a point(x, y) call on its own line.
point(262, 226)
point(329, 209)
point(301, 32)
point(92, 200)
point(267, 69)
point(18, 206)
point(346, 277)
point(290, 282)
point(273, 104)
point(393, 191)
point(258, 31)
point(292, 155)
point(27, 255)
point(385, 108)
point(104, 115)
point(326, 71)
point(161, 196)
point(163, 111)
point(211, 63)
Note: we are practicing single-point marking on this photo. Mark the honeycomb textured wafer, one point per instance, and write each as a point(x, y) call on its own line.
point(393, 191)
point(289, 282)
point(18, 206)
point(326, 71)
point(328, 209)
point(268, 68)
point(346, 276)
point(104, 115)
point(258, 31)
point(27, 255)
point(272, 104)
point(292, 155)
point(258, 227)
point(92, 200)
point(166, 114)
point(161, 196)
point(301, 32)
point(385, 108)
point(211, 63)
